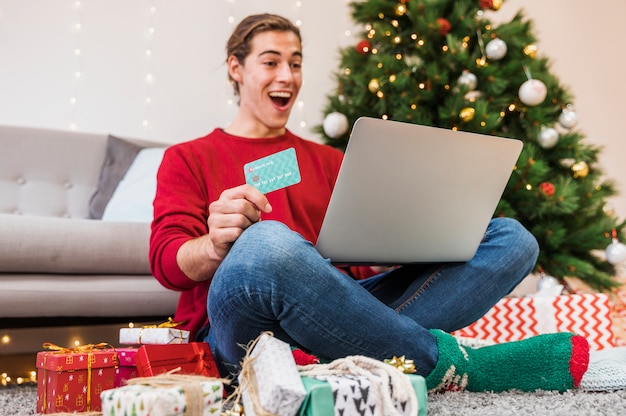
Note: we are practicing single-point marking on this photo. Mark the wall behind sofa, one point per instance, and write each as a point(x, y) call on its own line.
point(154, 68)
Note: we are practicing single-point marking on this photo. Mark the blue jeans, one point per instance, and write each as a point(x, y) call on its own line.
point(275, 280)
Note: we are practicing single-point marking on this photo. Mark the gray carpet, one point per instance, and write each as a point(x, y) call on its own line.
point(17, 401)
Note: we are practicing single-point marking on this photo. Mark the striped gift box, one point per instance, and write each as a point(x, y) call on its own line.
point(514, 319)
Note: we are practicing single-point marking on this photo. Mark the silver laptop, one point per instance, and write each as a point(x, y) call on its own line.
point(412, 194)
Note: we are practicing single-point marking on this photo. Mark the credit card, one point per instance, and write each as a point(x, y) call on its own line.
point(273, 172)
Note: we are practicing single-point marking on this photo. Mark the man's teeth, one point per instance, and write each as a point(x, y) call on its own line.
point(280, 94)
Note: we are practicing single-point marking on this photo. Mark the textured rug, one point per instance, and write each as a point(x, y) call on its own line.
point(18, 401)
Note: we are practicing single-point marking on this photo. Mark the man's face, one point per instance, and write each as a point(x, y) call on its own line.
point(269, 79)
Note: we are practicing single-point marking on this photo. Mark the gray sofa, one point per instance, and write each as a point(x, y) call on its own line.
point(58, 260)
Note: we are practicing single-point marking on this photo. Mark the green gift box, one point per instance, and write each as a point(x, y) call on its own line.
point(319, 400)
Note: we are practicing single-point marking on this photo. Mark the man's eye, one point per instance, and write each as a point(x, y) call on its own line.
point(270, 63)
point(296, 65)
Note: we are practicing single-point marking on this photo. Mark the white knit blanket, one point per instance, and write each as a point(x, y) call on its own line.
point(607, 370)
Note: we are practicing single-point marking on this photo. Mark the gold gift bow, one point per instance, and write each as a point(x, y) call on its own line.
point(88, 348)
point(402, 363)
point(81, 348)
point(167, 324)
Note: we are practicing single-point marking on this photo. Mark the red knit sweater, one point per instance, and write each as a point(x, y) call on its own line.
point(193, 174)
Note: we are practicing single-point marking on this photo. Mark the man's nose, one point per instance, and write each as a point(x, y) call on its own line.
point(284, 72)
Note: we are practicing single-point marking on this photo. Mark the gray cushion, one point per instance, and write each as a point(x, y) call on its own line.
point(120, 154)
point(32, 244)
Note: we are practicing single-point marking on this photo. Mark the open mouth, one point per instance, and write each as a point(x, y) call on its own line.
point(280, 98)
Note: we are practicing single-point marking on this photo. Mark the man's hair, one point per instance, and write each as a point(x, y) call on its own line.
point(239, 43)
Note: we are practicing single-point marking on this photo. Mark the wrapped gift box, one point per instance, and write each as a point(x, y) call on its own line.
point(321, 400)
point(191, 358)
point(71, 380)
point(618, 310)
point(617, 299)
point(514, 319)
point(269, 370)
point(139, 336)
point(127, 368)
point(165, 397)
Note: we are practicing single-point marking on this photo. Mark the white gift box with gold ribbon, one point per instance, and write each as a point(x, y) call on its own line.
point(149, 336)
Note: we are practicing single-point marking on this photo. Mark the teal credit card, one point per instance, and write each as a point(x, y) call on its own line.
point(273, 172)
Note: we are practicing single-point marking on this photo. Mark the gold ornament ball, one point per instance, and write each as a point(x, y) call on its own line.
point(374, 85)
point(467, 114)
point(482, 62)
point(580, 169)
point(530, 51)
point(496, 5)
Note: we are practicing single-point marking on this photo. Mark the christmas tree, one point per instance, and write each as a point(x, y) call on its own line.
point(443, 63)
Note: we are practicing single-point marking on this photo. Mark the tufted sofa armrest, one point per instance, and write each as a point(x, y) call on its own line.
point(48, 173)
point(33, 244)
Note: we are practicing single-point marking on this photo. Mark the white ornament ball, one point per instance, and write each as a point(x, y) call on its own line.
point(468, 79)
point(533, 92)
point(496, 49)
point(548, 137)
point(412, 61)
point(546, 281)
point(609, 210)
point(472, 95)
point(616, 252)
point(335, 125)
point(548, 286)
point(568, 119)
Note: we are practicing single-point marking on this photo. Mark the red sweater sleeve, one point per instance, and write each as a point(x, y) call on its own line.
point(179, 215)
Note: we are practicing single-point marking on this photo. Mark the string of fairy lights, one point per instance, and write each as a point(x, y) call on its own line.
point(232, 11)
point(149, 78)
point(78, 52)
point(78, 73)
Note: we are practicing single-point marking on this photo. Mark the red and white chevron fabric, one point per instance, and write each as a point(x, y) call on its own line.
point(514, 319)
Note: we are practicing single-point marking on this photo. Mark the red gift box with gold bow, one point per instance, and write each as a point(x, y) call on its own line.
point(71, 379)
point(192, 358)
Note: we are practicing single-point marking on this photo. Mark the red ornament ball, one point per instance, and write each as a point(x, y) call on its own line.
point(363, 47)
point(547, 188)
point(485, 4)
point(443, 25)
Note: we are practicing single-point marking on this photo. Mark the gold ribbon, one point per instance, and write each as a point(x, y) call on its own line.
point(167, 324)
point(87, 348)
point(81, 348)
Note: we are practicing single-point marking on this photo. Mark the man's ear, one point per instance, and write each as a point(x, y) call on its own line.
point(234, 68)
